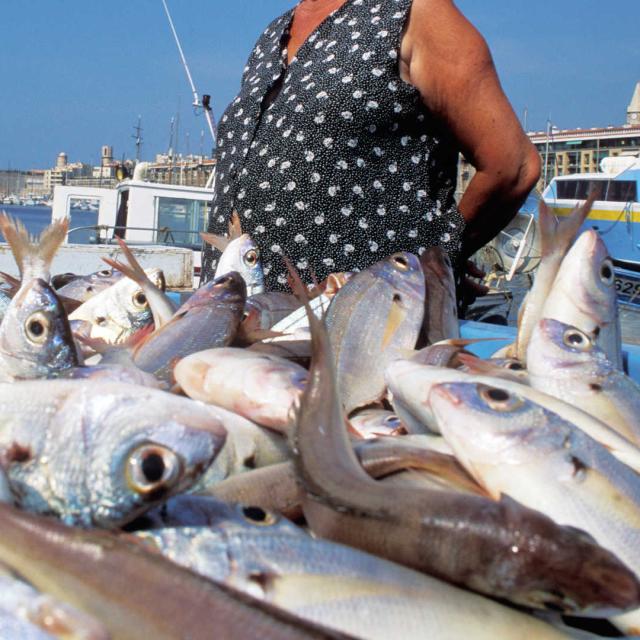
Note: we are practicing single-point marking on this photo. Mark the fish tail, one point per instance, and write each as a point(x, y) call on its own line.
point(33, 256)
point(219, 242)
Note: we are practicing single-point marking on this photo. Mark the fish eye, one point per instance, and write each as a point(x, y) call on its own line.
point(393, 421)
point(251, 257)
point(400, 261)
point(499, 399)
point(139, 300)
point(577, 340)
point(37, 327)
point(514, 366)
point(257, 515)
point(151, 468)
point(105, 273)
point(224, 280)
point(606, 272)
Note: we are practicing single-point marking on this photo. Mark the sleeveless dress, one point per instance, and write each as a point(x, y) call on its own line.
point(334, 161)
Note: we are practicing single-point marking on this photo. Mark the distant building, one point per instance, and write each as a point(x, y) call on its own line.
point(192, 171)
point(566, 151)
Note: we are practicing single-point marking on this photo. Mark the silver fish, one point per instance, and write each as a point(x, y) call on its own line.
point(240, 254)
point(35, 338)
point(584, 294)
point(259, 387)
point(519, 449)
point(42, 614)
point(81, 288)
point(567, 363)
point(556, 238)
point(118, 312)
point(354, 592)
point(209, 318)
point(371, 423)
point(409, 384)
point(100, 454)
point(374, 319)
point(162, 308)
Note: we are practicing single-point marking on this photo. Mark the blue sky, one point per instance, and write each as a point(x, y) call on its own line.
point(75, 75)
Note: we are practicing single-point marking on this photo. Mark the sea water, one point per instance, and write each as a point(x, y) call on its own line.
point(35, 219)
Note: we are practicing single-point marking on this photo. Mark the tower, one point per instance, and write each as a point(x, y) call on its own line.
point(633, 110)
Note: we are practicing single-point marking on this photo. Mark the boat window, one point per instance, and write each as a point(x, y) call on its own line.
point(622, 191)
point(180, 220)
point(610, 190)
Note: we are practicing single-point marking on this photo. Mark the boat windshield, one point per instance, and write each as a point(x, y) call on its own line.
point(610, 190)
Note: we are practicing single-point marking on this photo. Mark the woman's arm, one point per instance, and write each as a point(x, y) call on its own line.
point(448, 61)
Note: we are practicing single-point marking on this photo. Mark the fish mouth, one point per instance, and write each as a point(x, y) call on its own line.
point(443, 391)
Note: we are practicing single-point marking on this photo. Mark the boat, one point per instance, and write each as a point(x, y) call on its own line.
point(615, 214)
point(139, 211)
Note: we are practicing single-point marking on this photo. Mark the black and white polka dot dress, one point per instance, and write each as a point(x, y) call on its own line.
point(345, 165)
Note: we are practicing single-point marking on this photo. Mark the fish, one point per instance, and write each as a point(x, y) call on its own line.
point(375, 318)
point(261, 312)
point(370, 423)
point(98, 455)
point(262, 554)
point(209, 318)
point(42, 615)
point(118, 312)
point(556, 236)
point(133, 592)
point(81, 288)
point(584, 294)
point(567, 363)
point(240, 254)
point(35, 337)
point(465, 539)
point(259, 387)
point(247, 447)
point(440, 304)
point(409, 385)
point(519, 449)
point(161, 306)
point(508, 368)
point(113, 373)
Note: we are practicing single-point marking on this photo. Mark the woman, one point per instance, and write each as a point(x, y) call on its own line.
point(342, 145)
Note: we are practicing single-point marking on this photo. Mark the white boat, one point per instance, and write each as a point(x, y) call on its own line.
point(141, 212)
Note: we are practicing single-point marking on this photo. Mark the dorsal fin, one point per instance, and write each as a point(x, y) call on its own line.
point(219, 242)
point(235, 226)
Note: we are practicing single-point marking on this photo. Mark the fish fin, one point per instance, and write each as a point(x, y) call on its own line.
point(397, 315)
point(219, 242)
point(558, 235)
point(99, 345)
point(478, 365)
point(135, 270)
point(463, 342)
point(33, 256)
point(69, 304)
point(235, 226)
point(12, 281)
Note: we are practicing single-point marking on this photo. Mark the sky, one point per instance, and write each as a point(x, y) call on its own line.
point(77, 74)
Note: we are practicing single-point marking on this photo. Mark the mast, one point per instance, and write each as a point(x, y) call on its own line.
point(203, 104)
point(138, 138)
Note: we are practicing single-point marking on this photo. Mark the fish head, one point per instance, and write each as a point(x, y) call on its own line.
point(486, 425)
point(587, 274)
point(35, 333)
point(565, 349)
point(403, 272)
point(243, 256)
point(142, 456)
point(229, 288)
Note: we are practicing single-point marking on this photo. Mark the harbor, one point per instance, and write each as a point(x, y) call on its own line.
point(356, 356)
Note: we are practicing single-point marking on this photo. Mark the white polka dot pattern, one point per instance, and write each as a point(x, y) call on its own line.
point(345, 163)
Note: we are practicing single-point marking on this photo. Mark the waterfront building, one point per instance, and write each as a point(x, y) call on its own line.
point(567, 151)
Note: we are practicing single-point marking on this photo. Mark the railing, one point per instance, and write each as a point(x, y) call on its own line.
point(163, 235)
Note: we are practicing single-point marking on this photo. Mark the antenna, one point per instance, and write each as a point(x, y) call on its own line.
point(205, 103)
point(138, 138)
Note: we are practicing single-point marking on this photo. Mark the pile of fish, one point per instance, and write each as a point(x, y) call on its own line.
point(331, 463)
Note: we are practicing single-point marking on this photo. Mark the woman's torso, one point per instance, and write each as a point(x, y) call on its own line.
point(345, 165)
